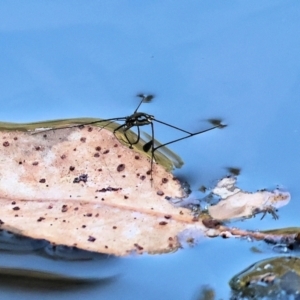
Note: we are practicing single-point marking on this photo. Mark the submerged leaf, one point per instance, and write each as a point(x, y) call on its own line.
point(275, 278)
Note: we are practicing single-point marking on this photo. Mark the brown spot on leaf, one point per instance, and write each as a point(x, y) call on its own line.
point(164, 180)
point(106, 151)
point(16, 208)
point(13, 203)
point(140, 248)
point(43, 180)
point(89, 215)
point(37, 148)
point(168, 217)
point(35, 163)
point(91, 239)
point(40, 219)
point(163, 223)
point(121, 168)
point(160, 193)
point(98, 148)
point(64, 208)
point(72, 168)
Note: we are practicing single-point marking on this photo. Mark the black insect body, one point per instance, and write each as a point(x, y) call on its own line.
point(138, 119)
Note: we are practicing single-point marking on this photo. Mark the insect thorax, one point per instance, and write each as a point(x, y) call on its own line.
point(138, 119)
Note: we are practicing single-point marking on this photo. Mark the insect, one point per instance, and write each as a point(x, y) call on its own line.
point(138, 119)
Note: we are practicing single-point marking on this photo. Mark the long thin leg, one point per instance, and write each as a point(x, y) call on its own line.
point(185, 137)
point(152, 152)
point(172, 126)
point(84, 124)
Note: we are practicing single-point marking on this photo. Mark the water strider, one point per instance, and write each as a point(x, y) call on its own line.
point(138, 119)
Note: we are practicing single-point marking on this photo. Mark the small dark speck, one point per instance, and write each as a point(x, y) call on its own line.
point(99, 170)
point(160, 193)
point(102, 199)
point(164, 180)
point(82, 177)
point(63, 156)
point(43, 180)
point(37, 148)
point(140, 248)
point(20, 162)
point(114, 227)
point(15, 138)
point(6, 144)
point(90, 129)
point(105, 152)
point(125, 197)
point(98, 148)
point(74, 149)
point(35, 163)
point(120, 167)
point(16, 215)
point(115, 145)
point(119, 156)
point(72, 168)
point(105, 247)
point(64, 221)
point(148, 172)
point(83, 140)
point(97, 155)
point(123, 176)
point(89, 215)
point(91, 239)
point(1, 222)
point(50, 207)
point(16, 208)
point(83, 226)
point(64, 208)
point(137, 157)
point(143, 177)
point(13, 203)
point(76, 208)
point(163, 223)
point(40, 219)
point(168, 217)
point(96, 215)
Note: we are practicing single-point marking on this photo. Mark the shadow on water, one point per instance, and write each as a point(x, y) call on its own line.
point(32, 280)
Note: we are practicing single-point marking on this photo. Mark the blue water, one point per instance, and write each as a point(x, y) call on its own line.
point(235, 60)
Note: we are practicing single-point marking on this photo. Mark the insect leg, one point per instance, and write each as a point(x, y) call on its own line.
point(185, 137)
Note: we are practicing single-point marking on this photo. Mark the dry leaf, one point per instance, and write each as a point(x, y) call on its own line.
point(83, 188)
point(236, 203)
